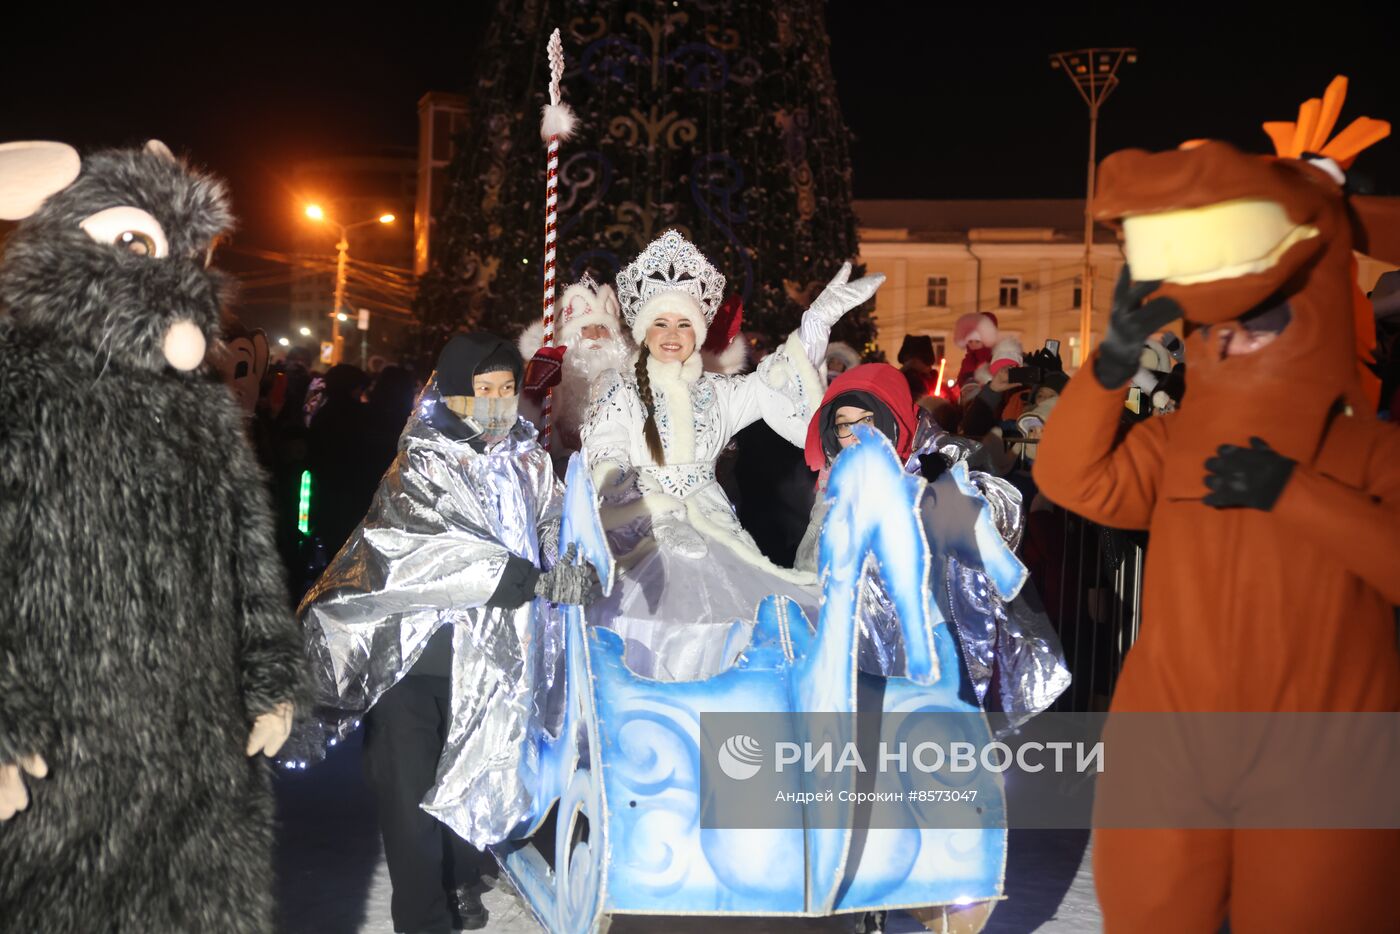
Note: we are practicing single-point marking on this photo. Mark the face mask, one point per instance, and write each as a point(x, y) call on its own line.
point(490, 420)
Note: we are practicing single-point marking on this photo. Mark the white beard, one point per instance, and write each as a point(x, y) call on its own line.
point(584, 362)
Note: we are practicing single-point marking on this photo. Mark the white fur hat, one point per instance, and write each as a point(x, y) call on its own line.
point(585, 303)
point(1006, 353)
point(981, 326)
point(729, 361)
point(843, 352)
point(671, 301)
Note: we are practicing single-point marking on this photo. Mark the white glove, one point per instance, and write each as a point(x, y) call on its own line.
point(14, 797)
point(270, 731)
point(839, 297)
point(679, 537)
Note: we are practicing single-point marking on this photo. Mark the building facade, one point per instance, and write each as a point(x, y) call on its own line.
point(1022, 261)
point(442, 120)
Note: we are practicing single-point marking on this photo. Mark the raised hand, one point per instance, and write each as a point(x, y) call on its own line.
point(1130, 324)
point(839, 297)
point(1047, 360)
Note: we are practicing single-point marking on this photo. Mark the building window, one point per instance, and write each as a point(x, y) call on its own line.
point(1071, 354)
point(1078, 291)
point(937, 291)
point(940, 347)
point(1009, 293)
point(1073, 358)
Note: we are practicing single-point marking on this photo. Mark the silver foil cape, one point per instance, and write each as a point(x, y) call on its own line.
point(1007, 643)
point(1014, 659)
point(1004, 498)
point(1012, 654)
point(430, 553)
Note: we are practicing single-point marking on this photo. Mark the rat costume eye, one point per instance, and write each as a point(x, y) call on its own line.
point(130, 229)
point(134, 241)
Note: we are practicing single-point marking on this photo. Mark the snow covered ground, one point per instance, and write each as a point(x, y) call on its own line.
point(331, 876)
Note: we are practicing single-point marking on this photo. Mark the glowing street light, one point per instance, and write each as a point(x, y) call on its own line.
point(305, 332)
point(284, 342)
point(342, 248)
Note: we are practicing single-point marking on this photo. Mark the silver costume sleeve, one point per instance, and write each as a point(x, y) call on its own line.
point(418, 549)
point(424, 549)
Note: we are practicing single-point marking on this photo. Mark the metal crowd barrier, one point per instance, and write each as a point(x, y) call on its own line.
point(1089, 578)
point(1095, 604)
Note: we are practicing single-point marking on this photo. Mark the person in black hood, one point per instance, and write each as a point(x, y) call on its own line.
point(439, 579)
point(477, 378)
point(338, 454)
point(387, 407)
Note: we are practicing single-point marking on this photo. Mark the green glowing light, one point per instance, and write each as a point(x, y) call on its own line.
point(304, 506)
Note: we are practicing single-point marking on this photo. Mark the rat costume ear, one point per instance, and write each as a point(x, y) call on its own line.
point(32, 172)
point(156, 148)
point(261, 352)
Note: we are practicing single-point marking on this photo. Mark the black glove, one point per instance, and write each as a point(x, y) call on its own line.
point(932, 466)
point(568, 582)
point(1046, 360)
point(1250, 478)
point(1129, 326)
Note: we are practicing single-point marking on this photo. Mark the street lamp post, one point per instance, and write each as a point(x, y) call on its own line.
point(342, 256)
point(1095, 73)
point(342, 252)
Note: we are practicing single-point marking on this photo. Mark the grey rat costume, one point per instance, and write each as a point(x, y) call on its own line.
point(143, 622)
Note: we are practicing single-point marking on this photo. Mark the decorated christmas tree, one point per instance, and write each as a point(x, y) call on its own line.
point(716, 117)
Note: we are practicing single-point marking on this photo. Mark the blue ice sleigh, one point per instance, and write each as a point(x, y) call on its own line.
point(623, 775)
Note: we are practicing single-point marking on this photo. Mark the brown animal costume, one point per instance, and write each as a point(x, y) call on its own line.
point(1272, 496)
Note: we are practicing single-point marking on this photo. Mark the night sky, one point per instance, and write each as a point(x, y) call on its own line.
point(945, 101)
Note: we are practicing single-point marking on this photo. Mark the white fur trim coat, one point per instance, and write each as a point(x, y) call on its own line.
point(697, 414)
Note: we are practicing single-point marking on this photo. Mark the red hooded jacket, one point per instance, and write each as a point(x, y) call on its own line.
point(886, 384)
